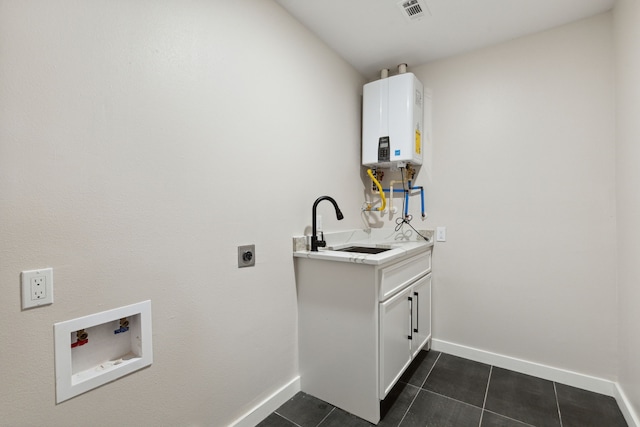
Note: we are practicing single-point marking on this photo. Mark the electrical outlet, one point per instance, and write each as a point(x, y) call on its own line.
point(37, 288)
point(441, 234)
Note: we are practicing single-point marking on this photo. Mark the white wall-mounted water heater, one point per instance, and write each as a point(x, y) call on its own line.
point(392, 121)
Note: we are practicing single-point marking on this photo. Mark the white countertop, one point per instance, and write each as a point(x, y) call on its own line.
point(401, 244)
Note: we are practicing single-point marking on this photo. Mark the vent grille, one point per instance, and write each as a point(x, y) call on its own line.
point(413, 9)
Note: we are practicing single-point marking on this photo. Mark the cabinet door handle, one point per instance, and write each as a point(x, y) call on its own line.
point(417, 312)
point(410, 318)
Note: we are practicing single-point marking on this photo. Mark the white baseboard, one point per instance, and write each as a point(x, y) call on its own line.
point(563, 376)
point(263, 409)
point(625, 406)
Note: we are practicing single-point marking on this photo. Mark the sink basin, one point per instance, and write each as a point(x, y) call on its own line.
point(363, 250)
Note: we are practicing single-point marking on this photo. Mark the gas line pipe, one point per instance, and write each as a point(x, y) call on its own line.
point(377, 183)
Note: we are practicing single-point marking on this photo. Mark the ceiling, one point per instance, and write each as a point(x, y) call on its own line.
point(376, 34)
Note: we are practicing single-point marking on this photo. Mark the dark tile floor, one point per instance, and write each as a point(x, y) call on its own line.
point(441, 390)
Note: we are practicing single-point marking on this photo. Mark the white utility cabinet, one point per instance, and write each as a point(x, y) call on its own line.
point(405, 328)
point(360, 325)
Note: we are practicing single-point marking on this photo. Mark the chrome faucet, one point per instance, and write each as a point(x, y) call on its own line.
point(315, 243)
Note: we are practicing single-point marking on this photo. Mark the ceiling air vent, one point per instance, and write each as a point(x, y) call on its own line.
point(413, 10)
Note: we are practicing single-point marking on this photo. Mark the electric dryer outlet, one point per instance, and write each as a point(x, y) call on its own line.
point(246, 256)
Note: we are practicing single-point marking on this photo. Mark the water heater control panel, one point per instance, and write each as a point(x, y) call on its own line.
point(383, 149)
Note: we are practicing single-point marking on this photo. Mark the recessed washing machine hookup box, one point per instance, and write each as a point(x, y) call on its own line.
point(93, 350)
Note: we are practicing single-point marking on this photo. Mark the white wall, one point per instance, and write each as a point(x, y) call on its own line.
point(627, 44)
point(523, 176)
point(140, 144)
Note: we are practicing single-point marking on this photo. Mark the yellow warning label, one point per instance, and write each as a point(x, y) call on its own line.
point(418, 142)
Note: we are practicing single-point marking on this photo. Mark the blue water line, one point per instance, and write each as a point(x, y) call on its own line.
point(406, 197)
point(421, 197)
point(406, 201)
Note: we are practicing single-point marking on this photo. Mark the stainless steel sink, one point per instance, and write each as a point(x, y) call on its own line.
point(363, 250)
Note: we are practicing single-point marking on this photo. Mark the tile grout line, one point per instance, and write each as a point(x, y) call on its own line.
point(327, 416)
point(555, 392)
point(509, 418)
point(470, 404)
point(430, 370)
point(419, 388)
point(486, 392)
point(291, 421)
point(439, 394)
point(410, 404)
point(451, 398)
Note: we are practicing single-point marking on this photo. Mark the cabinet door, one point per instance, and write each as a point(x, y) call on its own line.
point(421, 313)
point(395, 339)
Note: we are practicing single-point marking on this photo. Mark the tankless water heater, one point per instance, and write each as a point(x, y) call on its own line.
point(392, 121)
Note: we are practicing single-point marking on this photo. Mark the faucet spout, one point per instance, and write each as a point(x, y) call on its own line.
point(315, 243)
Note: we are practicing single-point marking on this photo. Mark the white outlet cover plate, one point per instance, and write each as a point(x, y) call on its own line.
point(37, 287)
